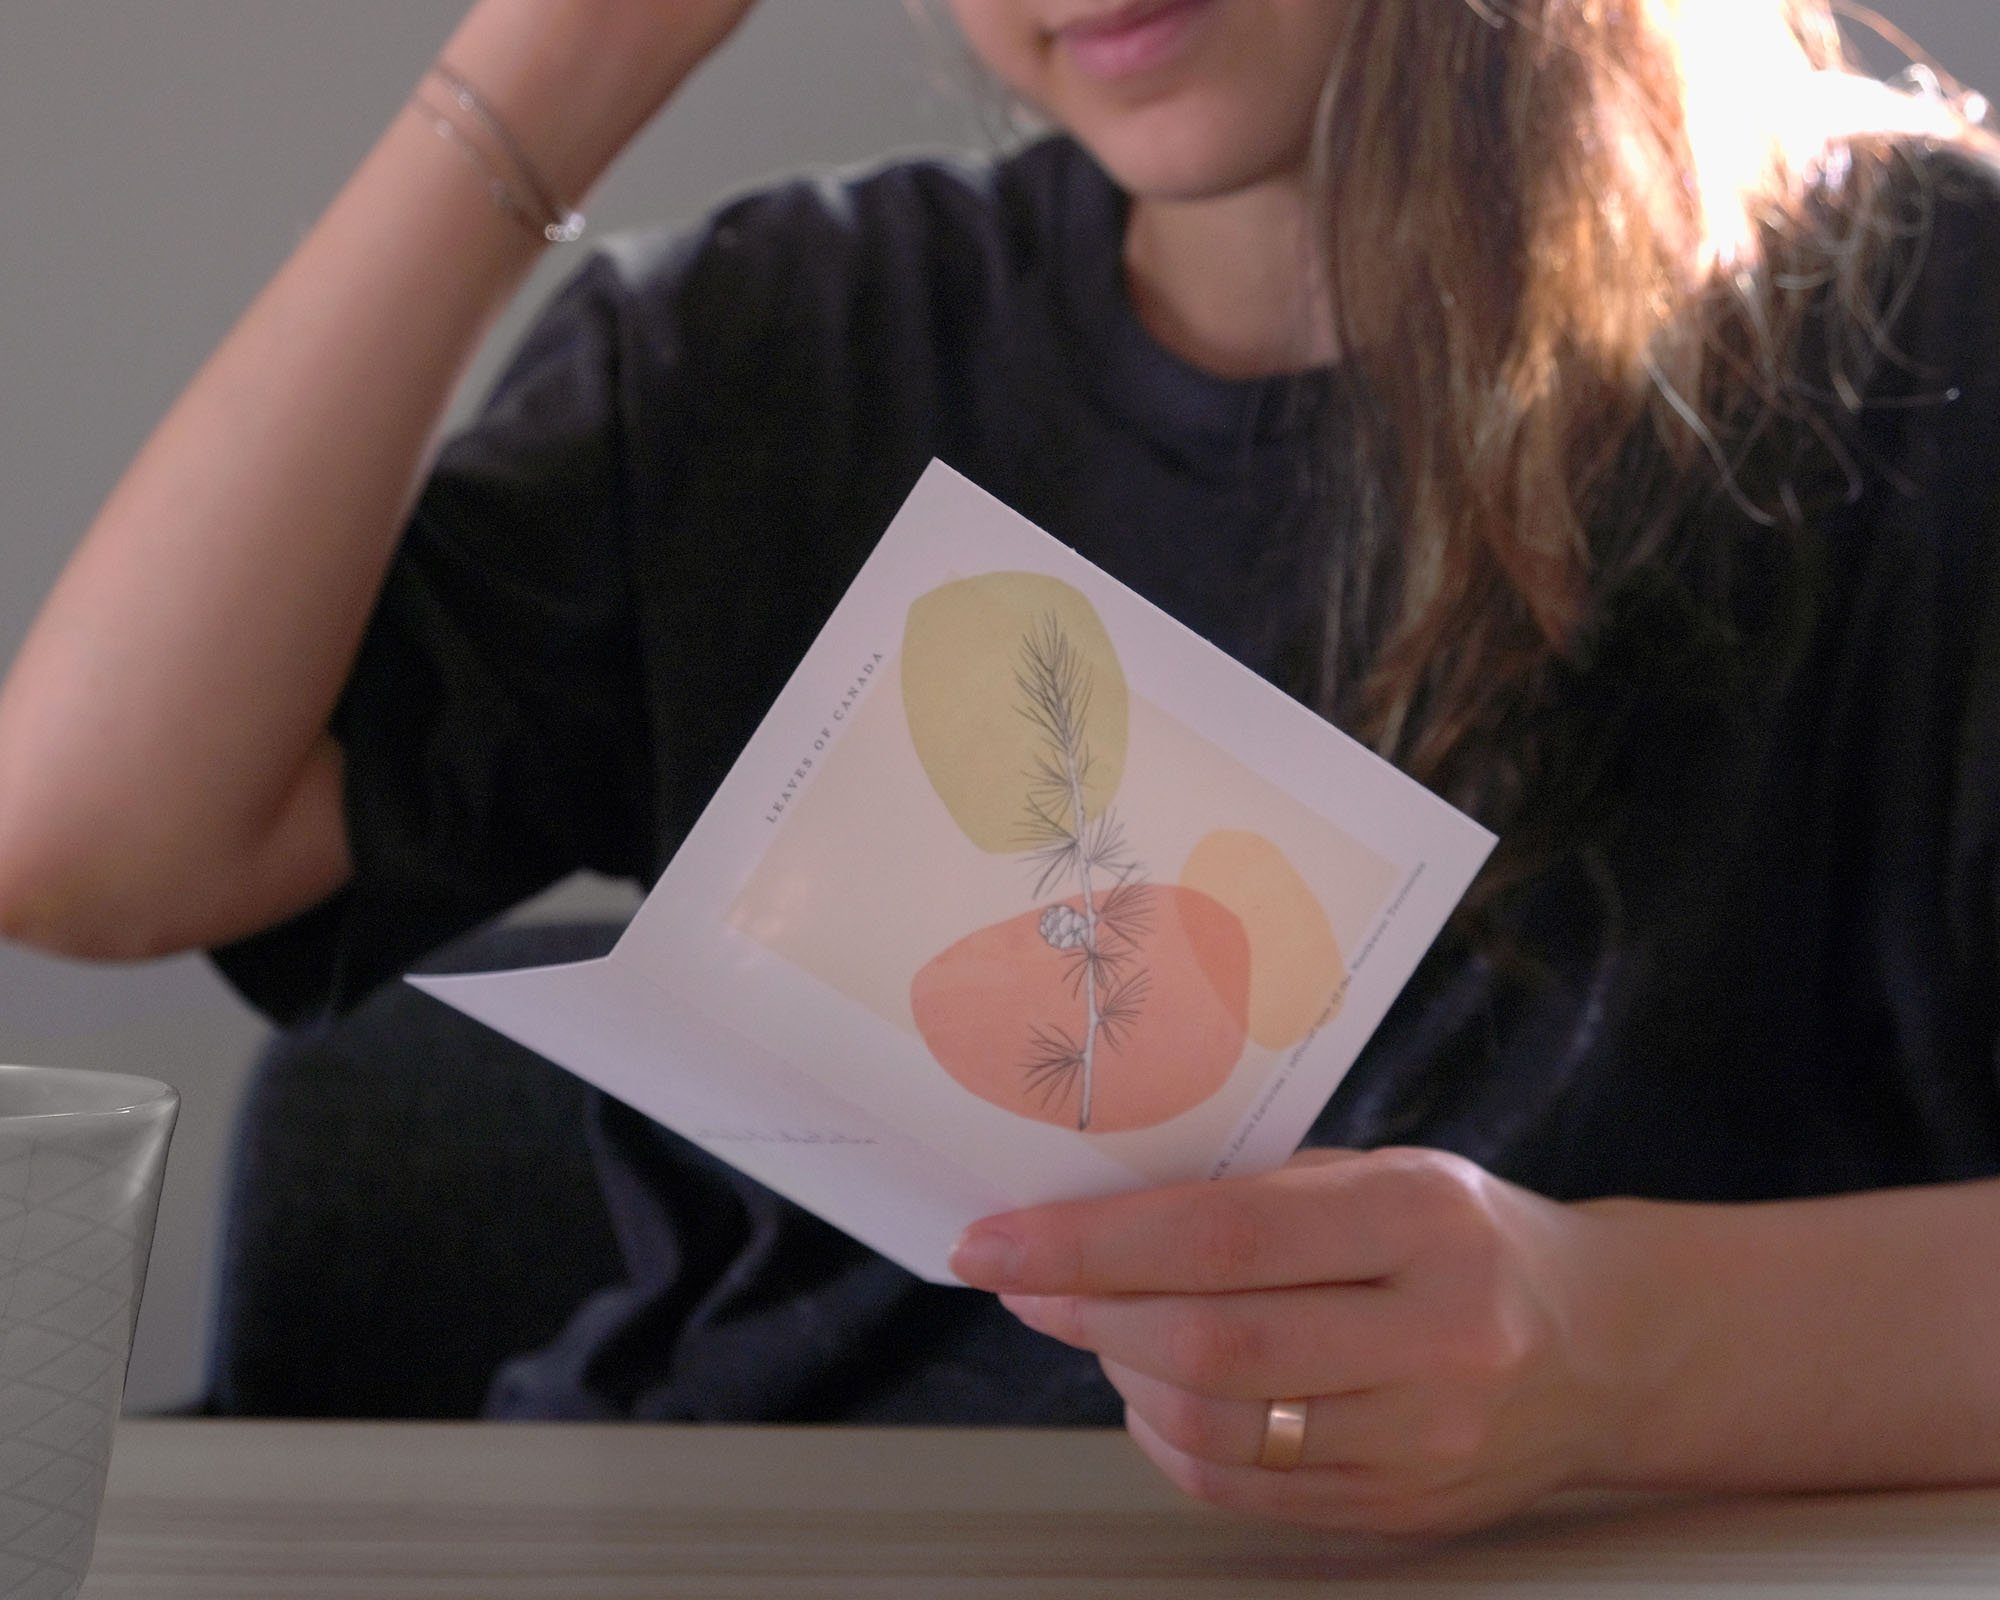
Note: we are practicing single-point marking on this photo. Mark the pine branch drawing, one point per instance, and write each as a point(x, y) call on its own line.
point(1100, 1000)
point(1099, 938)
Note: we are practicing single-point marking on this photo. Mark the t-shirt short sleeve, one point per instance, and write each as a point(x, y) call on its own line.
point(493, 726)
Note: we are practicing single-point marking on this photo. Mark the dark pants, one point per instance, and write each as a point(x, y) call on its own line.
point(741, 1307)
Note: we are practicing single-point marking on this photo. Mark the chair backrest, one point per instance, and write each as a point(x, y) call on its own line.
point(411, 1202)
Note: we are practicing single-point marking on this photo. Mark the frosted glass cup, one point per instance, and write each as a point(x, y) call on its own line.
point(81, 1159)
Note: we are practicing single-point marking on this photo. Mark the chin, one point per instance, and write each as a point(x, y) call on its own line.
point(1182, 161)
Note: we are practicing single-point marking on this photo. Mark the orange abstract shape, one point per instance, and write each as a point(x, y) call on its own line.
point(990, 1006)
point(1296, 969)
point(962, 662)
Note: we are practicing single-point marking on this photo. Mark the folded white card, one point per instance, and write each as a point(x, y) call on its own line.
point(1020, 892)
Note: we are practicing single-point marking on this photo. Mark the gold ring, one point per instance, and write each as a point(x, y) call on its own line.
point(1284, 1444)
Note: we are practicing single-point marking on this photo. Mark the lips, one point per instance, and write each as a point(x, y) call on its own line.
point(1132, 39)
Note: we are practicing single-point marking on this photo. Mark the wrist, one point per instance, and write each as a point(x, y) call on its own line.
point(1652, 1327)
point(1823, 1343)
point(573, 80)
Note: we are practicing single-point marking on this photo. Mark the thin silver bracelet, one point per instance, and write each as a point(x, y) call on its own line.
point(536, 209)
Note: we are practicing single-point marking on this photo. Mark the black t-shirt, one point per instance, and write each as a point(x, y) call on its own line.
point(1777, 977)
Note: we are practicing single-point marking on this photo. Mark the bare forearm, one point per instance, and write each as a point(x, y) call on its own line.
point(193, 649)
point(164, 726)
point(1812, 1344)
point(1461, 1346)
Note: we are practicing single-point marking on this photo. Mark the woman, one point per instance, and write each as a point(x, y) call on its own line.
point(1592, 405)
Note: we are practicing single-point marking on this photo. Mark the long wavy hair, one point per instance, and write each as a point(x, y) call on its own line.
point(1584, 256)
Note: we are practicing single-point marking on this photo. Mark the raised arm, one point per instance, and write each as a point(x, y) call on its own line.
point(166, 777)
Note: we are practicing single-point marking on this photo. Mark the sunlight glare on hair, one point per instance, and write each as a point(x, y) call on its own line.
point(1750, 116)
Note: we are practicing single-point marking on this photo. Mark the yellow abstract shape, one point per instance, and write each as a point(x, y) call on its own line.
point(1296, 969)
point(965, 649)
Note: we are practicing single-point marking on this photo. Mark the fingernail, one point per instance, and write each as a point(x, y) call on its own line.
point(986, 1258)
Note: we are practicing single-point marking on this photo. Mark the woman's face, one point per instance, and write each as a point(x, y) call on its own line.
point(1179, 99)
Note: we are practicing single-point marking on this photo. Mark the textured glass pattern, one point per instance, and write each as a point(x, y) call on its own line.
point(81, 1159)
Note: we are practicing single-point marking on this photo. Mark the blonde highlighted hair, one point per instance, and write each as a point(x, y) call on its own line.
point(1579, 251)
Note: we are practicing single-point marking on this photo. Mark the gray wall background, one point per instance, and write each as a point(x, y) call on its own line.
point(157, 160)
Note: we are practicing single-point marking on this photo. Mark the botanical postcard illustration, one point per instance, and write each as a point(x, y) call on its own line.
point(1108, 930)
point(1114, 1002)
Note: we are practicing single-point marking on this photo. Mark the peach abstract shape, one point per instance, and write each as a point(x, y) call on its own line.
point(1296, 969)
point(961, 653)
point(980, 1003)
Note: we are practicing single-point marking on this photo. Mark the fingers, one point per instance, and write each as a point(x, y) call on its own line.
point(1240, 1347)
point(1345, 1430)
point(1404, 1459)
point(1395, 1430)
point(1336, 1217)
point(1328, 1496)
